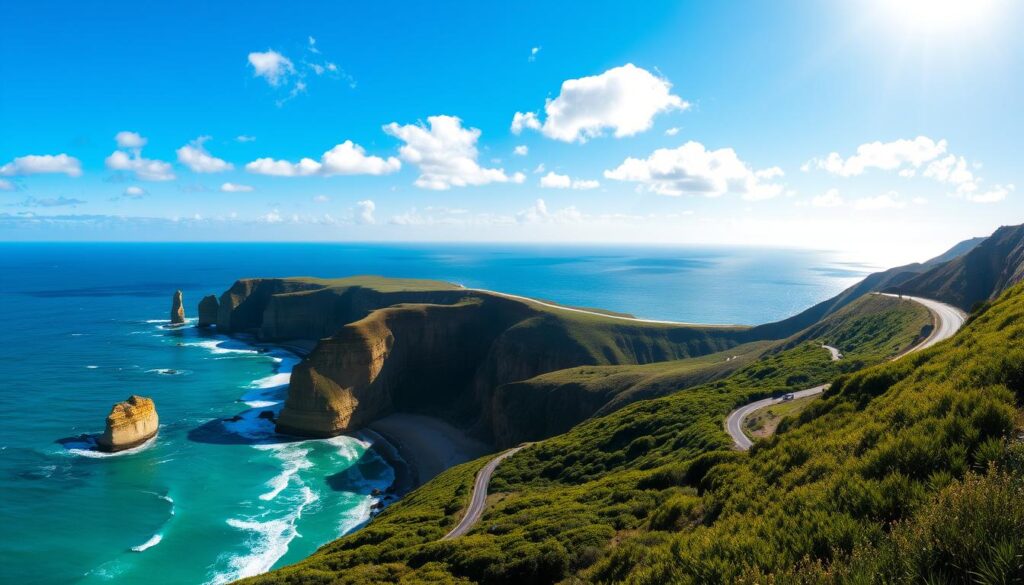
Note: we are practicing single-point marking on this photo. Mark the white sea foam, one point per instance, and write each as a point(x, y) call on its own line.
point(217, 346)
point(250, 426)
point(356, 516)
point(88, 449)
point(268, 542)
point(295, 459)
point(91, 367)
point(155, 540)
point(272, 381)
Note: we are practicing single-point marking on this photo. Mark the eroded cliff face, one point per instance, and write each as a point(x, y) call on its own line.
point(440, 352)
point(129, 424)
point(207, 311)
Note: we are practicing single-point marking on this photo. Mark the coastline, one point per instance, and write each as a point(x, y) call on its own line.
point(398, 458)
point(427, 445)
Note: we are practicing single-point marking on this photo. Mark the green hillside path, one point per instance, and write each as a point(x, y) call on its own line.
point(947, 320)
point(478, 499)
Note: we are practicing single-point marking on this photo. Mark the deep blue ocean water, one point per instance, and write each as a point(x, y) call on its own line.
point(210, 500)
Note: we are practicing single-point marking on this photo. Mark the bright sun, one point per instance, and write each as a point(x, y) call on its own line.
point(930, 17)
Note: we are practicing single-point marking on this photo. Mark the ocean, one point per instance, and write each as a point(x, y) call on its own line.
point(217, 496)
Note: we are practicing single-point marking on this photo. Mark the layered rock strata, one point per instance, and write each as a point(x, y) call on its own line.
point(129, 424)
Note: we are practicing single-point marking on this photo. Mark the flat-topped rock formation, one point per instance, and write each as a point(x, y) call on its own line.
point(208, 311)
point(129, 424)
point(177, 309)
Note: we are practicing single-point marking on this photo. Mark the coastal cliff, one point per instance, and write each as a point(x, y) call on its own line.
point(129, 424)
point(387, 345)
point(207, 311)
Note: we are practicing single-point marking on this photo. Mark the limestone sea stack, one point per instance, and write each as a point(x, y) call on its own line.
point(208, 308)
point(129, 424)
point(177, 309)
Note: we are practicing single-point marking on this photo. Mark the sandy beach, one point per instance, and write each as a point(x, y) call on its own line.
point(427, 445)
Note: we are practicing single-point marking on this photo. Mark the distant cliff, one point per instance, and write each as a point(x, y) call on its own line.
point(387, 345)
point(981, 274)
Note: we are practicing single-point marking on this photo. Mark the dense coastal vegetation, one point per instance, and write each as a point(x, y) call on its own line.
point(564, 500)
point(902, 472)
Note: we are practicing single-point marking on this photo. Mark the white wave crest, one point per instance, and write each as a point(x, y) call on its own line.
point(87, 449)
point(268, 542)
point(155, 540)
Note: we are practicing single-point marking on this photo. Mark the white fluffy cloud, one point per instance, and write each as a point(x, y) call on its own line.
point(692, 169)
point(235, 188)
point(623, 99)
point(994, 195)
point(126, 139)
point(245, 138)
point(39, 164)
point(521, 150)
point(134, 192)
point(129, 159)
point(194, 156)
point(272, 66)
point(6, 185)
point(365, 211)
point(446, 154)
point(553, 180)
point(347, 158)
point(908, 158)
point(902, 155)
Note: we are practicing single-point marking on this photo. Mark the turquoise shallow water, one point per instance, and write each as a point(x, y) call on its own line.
point(212, 500)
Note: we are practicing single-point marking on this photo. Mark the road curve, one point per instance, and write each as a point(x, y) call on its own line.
point(947, 320)
point(589, 312)
point(479, 498)
point(836, 354)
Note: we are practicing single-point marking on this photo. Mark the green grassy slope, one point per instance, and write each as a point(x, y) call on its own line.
point(573, 504)
point(868, 330)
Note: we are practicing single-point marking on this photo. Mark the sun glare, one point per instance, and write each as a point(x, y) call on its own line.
point(930, 17)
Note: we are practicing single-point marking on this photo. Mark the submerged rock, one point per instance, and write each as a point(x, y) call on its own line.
point(208, 308)
point(129, 424)
point(177, 309)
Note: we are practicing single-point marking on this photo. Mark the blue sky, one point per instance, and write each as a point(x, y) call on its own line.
point(653, 122)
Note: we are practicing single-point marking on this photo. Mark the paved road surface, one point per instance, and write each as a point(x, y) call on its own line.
point(947, 321)
point(479, 497)
point(836, 354)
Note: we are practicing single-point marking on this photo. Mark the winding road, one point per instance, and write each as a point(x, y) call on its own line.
point(947, 320)
point(479, 498)
point(836, 354)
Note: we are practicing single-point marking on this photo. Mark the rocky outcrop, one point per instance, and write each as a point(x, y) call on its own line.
point(177, 309)
point(412, 358)
point(129, 424)
point(208, 311)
